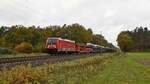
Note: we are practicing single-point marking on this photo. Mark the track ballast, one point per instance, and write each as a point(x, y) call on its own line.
point(37, 60)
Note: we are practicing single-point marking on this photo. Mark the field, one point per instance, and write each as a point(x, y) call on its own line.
point(126, 69)
point(131, 68)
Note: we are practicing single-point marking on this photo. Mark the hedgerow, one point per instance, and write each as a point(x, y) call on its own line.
point(6, 51)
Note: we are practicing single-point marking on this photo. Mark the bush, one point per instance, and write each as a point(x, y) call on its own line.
point(38, 48)
point(6, 51)
point(24, 48)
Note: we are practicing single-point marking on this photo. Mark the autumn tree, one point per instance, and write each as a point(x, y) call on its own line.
point(99, 39)
point(79, 33)
point(124, 41)
point(13, 37)
point(90, 30)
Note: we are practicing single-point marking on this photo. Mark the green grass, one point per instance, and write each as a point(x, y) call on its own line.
point(124, 70)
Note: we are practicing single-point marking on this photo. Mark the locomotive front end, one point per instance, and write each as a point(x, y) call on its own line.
point(51, 45)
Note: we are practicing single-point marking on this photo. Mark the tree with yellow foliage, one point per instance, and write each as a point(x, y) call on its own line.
point(125, 42)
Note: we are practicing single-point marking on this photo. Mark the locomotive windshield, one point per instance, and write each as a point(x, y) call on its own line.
point(51, 41)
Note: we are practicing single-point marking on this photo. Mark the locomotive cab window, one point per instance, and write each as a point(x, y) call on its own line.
point(51, 41)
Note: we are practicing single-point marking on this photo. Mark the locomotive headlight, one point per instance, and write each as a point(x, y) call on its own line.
point(54, 46)
point(49, 46)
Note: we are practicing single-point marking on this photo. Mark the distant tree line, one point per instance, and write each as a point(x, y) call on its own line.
point(18, 37)
point(136, 40)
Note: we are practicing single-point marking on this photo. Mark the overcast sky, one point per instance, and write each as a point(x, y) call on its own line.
point(108, 16)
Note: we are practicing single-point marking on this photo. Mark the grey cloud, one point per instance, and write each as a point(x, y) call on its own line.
point(108, 16)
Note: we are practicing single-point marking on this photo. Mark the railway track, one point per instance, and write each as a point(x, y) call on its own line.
point(36, 60)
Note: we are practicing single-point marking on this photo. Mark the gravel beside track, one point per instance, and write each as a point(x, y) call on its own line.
point(37, 60)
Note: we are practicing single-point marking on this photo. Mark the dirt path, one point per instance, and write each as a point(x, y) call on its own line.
point(144, 62)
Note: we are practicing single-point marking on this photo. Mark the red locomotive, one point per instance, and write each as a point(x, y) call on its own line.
point(58, 45)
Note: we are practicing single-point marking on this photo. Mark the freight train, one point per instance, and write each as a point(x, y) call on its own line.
point(64, 46)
